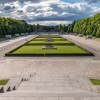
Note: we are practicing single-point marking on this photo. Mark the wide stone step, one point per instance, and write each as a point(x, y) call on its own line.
point(87, 85)
point(48, 88)
point(30, 93)
point(50, 98)
point(46, 83)
point(50, 80)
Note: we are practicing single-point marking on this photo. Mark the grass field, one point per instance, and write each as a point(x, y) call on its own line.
point(53, 36)
point(43, 42)
point(95, 81)
point(3, 82)
point(34, 47)
point(60, 50)
point(43, 39)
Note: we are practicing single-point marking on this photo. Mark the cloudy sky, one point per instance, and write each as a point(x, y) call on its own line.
point(49, 12)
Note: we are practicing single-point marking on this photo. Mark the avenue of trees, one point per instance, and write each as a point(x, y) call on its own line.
point(61, 27)
point(86, 26)
point(9, 26)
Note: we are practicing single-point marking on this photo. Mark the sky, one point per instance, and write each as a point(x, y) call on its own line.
point(49, 12)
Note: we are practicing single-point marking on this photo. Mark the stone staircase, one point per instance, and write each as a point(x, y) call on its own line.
point(56, 87)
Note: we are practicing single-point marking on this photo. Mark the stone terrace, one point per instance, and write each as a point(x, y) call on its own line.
point(57, 78)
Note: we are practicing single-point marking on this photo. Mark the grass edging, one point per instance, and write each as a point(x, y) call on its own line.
point(4, 82)
point(47, 54)
point(10, 54)
point(95, 81)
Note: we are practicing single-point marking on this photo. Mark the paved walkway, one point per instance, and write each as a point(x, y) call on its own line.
point(90, 44)
point(54, 75)
point(10, 44)
point(54, 87)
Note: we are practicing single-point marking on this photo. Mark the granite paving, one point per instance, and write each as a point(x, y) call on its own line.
point(57, 78)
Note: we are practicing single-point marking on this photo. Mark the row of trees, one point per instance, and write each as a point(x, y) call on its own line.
point(9, 26)
point(86, 26)
point(61, 27)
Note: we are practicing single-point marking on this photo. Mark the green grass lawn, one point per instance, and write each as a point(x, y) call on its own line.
point(43, 42)
point(53, 36)
point(64, 47)
point(43, 39)
point(60, 50)
point(95, 81)
point(3, 82)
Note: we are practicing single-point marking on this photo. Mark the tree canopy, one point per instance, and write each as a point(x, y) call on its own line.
point(9, 26)
point(86, 26)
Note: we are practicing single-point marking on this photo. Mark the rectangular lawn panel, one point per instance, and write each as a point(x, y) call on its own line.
point(38, 39)
point(60, 50)
point(95, 81)
point(43, 39)
point(4, 82)
point(34, 47)
point(53, 36)
point(44, 43)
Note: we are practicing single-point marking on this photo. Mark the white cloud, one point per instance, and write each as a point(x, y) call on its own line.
point(51, 23)
point(46, 12)
point(9, 1)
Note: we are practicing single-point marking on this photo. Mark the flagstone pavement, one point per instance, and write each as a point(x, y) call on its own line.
point(56, 77)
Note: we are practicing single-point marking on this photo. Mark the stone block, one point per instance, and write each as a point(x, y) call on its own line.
point(26, 33)
point(17, 35)
point(22, 34)
point(8, 36)
point(5, 88)
point(80, 35)
point(89, 36)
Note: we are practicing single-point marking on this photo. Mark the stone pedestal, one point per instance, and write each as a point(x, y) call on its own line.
point(49, 40)
point(49, 47)
point(89, 36)
point(75, 34)
point(8, 36)
point(80, 35)
point(26, 33)
point(22, 34)
point(16, 35)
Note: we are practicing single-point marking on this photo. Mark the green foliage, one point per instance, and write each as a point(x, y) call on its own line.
point(64, 47)
point(52, 43)
point(86, 26)
point(37, 49)
point(63, 28)
point(3, 82)
point(9, 26)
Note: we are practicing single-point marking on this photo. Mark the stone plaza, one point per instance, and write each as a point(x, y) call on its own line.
point(56, 78)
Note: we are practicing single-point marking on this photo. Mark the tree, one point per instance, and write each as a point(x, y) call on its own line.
point(86, 26)
point(13, 26)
